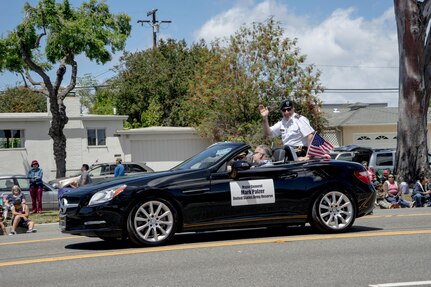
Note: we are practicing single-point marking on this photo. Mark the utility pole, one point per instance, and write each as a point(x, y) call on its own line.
point(155, 24)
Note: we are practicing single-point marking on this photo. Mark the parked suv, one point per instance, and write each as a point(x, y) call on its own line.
point(382, 159)
point(102, 171)
point(351, 153)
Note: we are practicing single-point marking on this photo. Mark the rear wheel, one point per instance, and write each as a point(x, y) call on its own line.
point(152, 222)
point(333, 212)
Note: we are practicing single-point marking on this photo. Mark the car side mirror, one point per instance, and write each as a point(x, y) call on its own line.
point(239, 165)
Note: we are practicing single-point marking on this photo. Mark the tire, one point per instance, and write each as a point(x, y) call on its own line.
point(152, 222)
point(333, 212)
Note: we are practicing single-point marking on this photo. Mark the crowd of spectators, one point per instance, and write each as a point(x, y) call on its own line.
point(15, 205)
point(392, 194)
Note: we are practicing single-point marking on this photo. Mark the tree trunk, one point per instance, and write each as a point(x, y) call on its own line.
point(59, 120)
point(411, 155)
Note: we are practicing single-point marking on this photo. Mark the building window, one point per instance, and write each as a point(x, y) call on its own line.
point(382, 138)
point(96, 137)
point(11, 139)
point(364, 138)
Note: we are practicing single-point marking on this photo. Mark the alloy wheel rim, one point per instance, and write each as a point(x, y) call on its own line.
point(153, 221)
point(336, 210)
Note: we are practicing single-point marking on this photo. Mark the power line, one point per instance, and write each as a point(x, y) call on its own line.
point(362, 91)
point(356, 66)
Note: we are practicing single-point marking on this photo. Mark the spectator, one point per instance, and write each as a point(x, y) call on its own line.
point(370, 171)
point(420, 194)
point(119, 169)
point(295, 130)
point(2, 221)
point(404, 188)
point(381, 196)
point(36, 186)
point(262, 156)
point(20, 218)
point(84, 178)
point(382, 175)
point(393, 192)
point(10, 199)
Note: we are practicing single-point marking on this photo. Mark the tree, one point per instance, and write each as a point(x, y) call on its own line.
point(257, 64)
point(412, 18)
point(104, 102)
point(86, 94)
point(22, 100)
point(152, 84)
point(61, 33)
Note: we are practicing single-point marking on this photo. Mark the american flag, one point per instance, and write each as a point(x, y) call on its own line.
point(319, 146)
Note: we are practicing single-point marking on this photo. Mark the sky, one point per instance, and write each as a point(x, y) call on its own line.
point(352, 42)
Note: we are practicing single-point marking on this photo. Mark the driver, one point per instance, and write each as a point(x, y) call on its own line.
point(241, 156)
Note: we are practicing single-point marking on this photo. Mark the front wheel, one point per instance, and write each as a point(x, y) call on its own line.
point(152, 222)
point(333, 212)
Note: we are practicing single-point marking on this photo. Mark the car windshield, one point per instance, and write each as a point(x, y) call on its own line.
point(207, 157)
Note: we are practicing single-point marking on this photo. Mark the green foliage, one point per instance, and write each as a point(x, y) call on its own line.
point(153, 115)
point(152, 85)
point(104, 102)
point(256, 65)
point(90, 30)
point(87, 95)
point(54, 33)
point(22, 100)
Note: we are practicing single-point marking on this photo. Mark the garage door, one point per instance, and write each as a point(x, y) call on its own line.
point(376, 140)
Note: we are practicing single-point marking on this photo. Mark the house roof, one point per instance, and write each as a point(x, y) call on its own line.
point(360, 114)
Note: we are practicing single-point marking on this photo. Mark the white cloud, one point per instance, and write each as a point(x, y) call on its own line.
point(244, 12)
point(351, 52)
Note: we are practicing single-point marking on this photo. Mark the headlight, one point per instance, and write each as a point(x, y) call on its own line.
point(106, 194)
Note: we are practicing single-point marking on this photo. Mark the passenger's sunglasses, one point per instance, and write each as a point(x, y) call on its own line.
point(286, 110)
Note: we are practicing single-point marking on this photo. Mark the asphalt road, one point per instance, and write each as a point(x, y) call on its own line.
point(388, 248)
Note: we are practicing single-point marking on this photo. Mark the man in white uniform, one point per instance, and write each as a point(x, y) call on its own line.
point(295, 130)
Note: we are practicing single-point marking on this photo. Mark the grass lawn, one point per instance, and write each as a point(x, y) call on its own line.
point(49, 216)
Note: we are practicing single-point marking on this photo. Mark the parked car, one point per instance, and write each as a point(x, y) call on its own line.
point(351, 153)
point(101, 171)
point(49, 197)
point(203, 194)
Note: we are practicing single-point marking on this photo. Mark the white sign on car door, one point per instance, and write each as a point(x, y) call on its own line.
point(249, 192)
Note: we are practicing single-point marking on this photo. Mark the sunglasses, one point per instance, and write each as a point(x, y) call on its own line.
point(286, 110)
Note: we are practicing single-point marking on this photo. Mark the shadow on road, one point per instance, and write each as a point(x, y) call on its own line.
point(214, 236)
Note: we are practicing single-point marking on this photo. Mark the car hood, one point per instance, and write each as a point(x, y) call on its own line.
point(141, 180)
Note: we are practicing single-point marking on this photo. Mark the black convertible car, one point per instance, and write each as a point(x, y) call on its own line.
point(216, 190)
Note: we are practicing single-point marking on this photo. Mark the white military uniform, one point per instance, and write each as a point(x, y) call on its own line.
point(293, 131)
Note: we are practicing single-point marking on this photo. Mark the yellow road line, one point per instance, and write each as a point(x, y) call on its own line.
point(39, 240)
point(395, 215)
point(214, 244)
point(83, 237)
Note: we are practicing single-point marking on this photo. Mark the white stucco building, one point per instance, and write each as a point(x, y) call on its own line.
point(90, 139)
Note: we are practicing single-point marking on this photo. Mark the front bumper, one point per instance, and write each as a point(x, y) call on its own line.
point(96, 221)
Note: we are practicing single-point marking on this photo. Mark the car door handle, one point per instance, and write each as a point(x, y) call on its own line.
point(289, 176)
